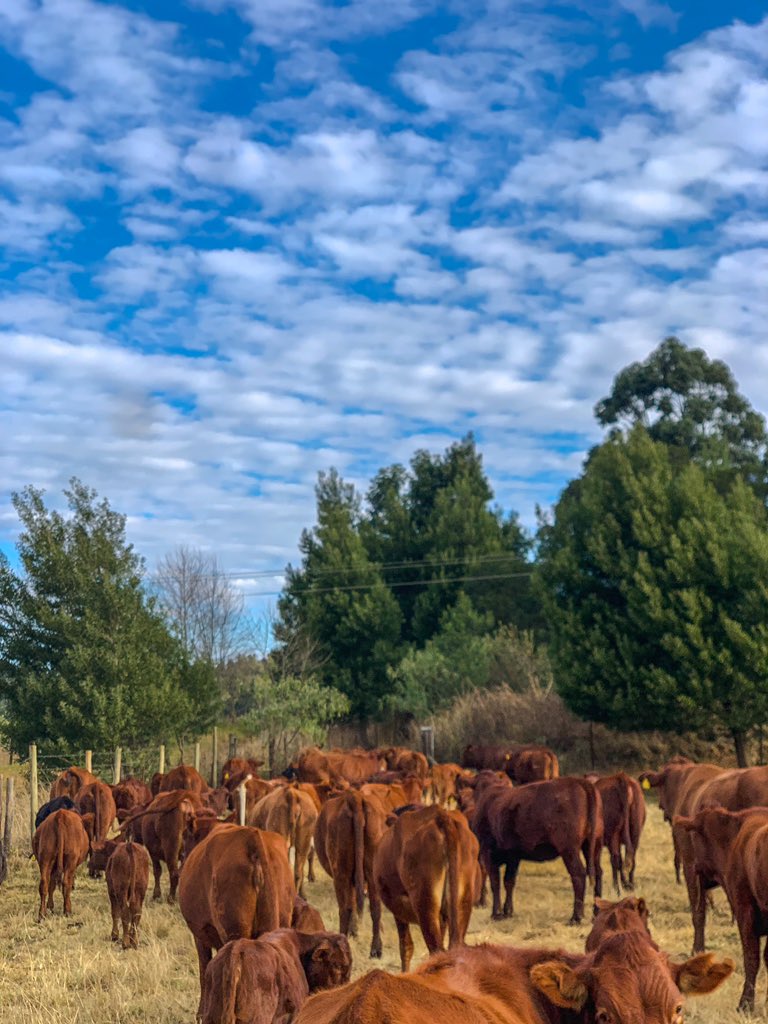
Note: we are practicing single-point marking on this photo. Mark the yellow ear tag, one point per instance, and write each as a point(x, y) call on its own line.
point(646, 784)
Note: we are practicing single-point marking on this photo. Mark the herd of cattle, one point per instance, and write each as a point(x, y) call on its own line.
point(420, 840)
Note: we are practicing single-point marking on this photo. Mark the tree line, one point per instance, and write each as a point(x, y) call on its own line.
point(642, 594)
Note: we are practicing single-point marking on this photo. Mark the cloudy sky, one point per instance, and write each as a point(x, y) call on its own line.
point(245, 240)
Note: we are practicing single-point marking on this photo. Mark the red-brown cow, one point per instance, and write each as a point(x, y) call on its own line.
point(523, 763)
point(237, 766)
point(625, 979)
point(267, 980)
point(183, 776)
point(305, 918)
point(347, 833)
point(60, 846)
point(96, 798)
point(235, 884)
point(628, 915)
point(161, 828)
point(320, 767)
point(127, 874)
point(70, 781)
point(426, 872)
point(623, 820)
point(540, 821)
point(131, 792)
point(292, 814)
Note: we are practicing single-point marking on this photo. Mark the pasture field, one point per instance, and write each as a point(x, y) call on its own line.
point(65, 971)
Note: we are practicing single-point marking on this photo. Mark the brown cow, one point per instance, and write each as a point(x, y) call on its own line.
point(267, 980)
point(625, 979)
point(315, 765)
point(426, 872)
point(60, 846)
point(623, 820)
point(393, 795)
point(628, 915)
point(523, 763)
point(305, 918)
point(737, 847)
point(292, 814)
point(539, 822)
point(444, 778)
point(405, 760)
point(161, 828)
point(70, 781)
point(127, 880)
point(347, 833)
point(131, 792)
point(235, 884)
point(96, 798)
point(183, 776)
point(239, 765)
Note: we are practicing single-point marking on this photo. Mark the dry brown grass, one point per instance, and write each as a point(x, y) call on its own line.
point(67, 971)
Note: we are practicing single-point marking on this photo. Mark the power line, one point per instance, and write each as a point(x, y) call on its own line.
point(391, 583)
point(413, 564)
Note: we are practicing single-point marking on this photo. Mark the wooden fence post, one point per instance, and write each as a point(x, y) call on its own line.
point(215, 757)
point(117, 766)
point(428, 742)
point(197, 757)
point(33, 793)
point(232, 745)
point(5, 838)
point(161, 769)
point(89, 761)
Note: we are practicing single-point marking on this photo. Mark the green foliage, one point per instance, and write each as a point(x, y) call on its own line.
point(85, 657)
point(692, 404)
point(377, 578)
point(289, 708)
point(654, 584)
point(465, 656)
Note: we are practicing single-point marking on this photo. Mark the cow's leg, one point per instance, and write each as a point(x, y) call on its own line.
point(494, 876)
point(616, 872)
point(510, 877)
point(157, 868)
point(135, 909)
point(204, 957)
point(374, 901)
point(45, 891)
point(126, 916)
point(697, 901)
point(174, 874)
point(66, 888)
point(750, 947)
point(483, 899)
point(677, 859)
point(114, 905)
point(406, 945)
point(345, 898)
point(575, 867)
point(311, 862)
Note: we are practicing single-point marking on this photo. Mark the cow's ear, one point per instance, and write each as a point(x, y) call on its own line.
point(701, 974)
point(601, 904)
point(322, 951)
point(642, 907)
point(560, 984)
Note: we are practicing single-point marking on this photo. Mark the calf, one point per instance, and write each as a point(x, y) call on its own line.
point(539, 822)
point(130, 793)
point(96, 798)
point(70, 781)
point(305, 918)
point(60, 846)
point(183, 776)
point(60, 803)
point(426, 871)
point(628, 915)
point(127, 880)
point(624, 980)
point(161, 828)
point(444, 778)
point(266, 980)
point(237, 883)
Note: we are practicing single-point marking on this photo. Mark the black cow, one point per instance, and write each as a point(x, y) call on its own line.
point(61, 803)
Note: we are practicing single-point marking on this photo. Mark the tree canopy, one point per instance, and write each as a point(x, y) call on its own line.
point(654, 585)
point(692, 404)
point(378, 575)
point(86, 658)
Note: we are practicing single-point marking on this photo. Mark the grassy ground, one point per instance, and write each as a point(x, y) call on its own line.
point(65, 971)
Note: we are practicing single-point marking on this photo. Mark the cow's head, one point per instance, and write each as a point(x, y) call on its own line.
point(627, 979)
point(100, 853)
point(328, 963)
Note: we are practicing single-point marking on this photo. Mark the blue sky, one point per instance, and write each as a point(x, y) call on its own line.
point(245, 240)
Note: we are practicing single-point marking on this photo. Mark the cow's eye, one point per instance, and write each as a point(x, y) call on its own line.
point(679, 1012)
point(602, 1017)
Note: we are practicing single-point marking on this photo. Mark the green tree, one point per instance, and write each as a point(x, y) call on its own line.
point(289, 710)
point(85, 656)
point(339, 597)
point(654, 585)
point(692, 404)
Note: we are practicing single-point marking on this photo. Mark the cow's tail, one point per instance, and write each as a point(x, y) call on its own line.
point(232, 971)
point(96, 815)
point(554, 766)
point(294, 813)
point(269, 921)
point(60, 850)
point(355, 804)
point(593, 824)
point(450, 833)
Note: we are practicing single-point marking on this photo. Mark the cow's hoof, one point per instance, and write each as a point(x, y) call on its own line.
point(574, 921)
point(498, 916)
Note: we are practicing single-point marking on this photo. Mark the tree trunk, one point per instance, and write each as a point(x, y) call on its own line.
point(272, 752)
point(740, 743)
